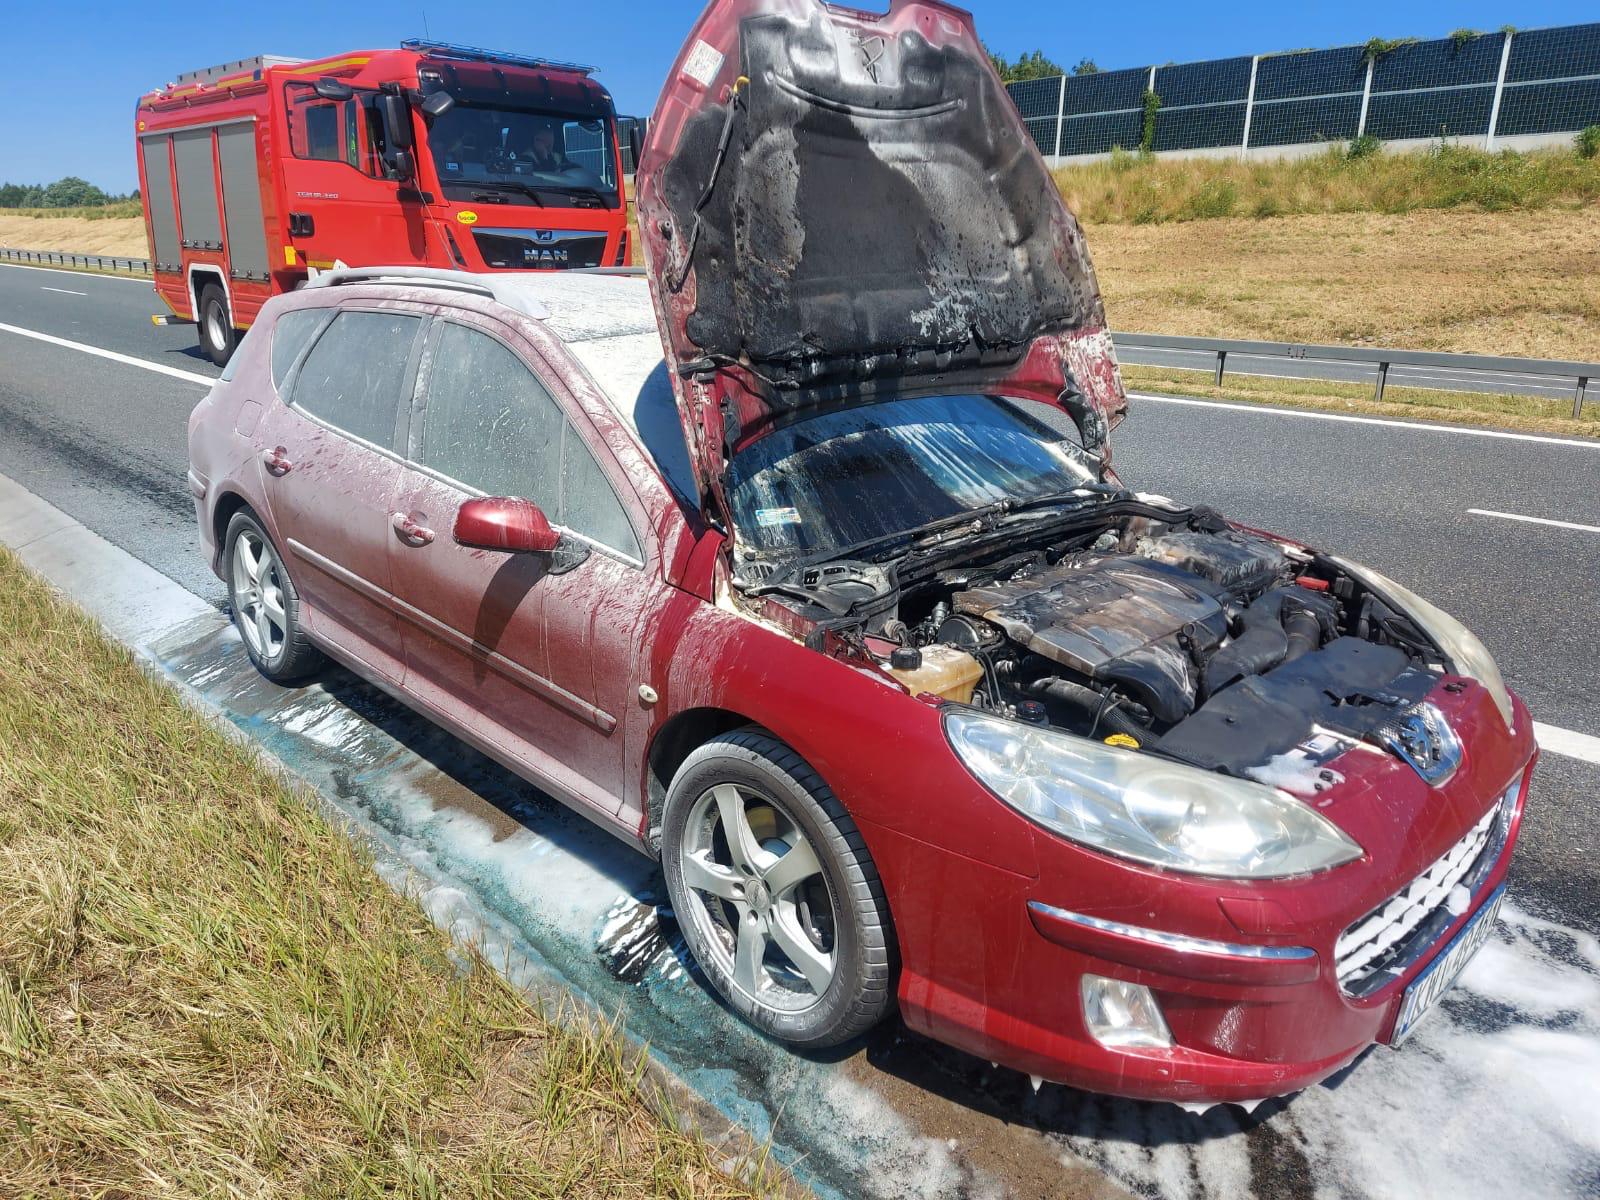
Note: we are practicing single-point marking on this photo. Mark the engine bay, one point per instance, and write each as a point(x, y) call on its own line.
point(1128, 620)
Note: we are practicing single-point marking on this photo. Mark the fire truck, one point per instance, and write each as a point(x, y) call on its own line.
point(258, 173)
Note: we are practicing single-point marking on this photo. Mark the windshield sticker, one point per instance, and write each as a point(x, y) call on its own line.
point(703, 63)
point(777, 516)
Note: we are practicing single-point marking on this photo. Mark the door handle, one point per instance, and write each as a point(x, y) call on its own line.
point(277, 461)
point(410, 532)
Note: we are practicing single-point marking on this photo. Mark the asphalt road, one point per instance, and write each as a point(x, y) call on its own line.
point(105, 441)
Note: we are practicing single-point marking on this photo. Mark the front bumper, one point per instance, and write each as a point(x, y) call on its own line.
point(1247, 977)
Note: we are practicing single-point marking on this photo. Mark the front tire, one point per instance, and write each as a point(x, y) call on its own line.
point(776, 893)
point(218, 338)
point(266, 605)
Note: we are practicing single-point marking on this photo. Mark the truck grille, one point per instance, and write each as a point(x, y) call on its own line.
point(548, 249)
point(1390, 937)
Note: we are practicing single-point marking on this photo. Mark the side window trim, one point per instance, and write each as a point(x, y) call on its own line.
point(408, 382)
point(286, 392)
point(563, 406)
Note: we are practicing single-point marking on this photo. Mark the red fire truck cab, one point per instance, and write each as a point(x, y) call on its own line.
point(258, 173)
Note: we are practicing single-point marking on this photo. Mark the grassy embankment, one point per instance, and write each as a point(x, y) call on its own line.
point(205, 991)
point(1452, 250)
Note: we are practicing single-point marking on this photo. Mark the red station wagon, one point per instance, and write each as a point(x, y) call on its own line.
point(839, 609)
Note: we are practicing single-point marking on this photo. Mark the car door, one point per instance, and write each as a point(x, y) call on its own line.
point(531, 651)
point(330, 469)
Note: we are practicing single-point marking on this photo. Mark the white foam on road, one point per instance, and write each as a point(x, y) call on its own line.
point(126, 360)
point(1495, 1096)
point(1421, 426)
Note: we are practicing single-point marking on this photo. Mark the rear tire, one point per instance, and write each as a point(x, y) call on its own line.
point(266, 604)
point(218, 338)
point(786, 916)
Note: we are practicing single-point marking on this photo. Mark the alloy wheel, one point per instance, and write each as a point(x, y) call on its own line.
point(759, 897)
point(258, 595)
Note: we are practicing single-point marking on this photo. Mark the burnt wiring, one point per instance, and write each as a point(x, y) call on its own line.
point(680, 273)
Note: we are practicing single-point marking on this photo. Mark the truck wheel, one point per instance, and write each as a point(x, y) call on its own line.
point(775, 892)
point(266, 604)
point(217, 334)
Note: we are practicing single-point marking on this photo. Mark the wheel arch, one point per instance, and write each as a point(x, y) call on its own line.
point(678, 737)
point(199, 275)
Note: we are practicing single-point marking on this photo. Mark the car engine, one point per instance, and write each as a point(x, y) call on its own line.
point(1150, 626)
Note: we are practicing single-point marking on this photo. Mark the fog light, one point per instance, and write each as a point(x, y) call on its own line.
point(1124, 1016)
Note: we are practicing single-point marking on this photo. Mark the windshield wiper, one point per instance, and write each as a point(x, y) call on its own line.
point(919, 535)
point(505, 185)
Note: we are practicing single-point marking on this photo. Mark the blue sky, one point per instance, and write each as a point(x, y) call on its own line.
point(76, 69)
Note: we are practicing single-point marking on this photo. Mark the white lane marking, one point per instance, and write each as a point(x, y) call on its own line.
point(1505, 516)
point(1425, 427)
point(1567, 742)
point(63, 291)
point(82, 274)
point(125, 359)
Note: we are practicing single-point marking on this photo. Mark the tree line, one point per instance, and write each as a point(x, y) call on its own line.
point(1036, 65)
point(70, 192)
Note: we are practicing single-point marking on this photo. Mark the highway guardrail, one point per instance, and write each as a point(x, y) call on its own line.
point(88, 262)
point(1377, 356)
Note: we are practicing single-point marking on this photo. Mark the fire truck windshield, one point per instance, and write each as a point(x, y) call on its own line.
point(552, 158)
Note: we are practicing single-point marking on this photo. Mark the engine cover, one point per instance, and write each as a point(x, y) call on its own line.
point(1116, 619)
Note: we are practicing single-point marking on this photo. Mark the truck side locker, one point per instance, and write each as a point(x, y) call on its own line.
point(158, 202)
point(241, 202)
point(197, 189)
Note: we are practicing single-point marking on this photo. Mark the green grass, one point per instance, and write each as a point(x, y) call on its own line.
point(1528, 413)
point(206, 991)
point(1132, 188)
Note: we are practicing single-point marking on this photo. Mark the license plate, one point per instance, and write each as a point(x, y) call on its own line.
point(1426, 988)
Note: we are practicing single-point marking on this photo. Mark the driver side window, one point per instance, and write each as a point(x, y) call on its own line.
point(489, 424)
point(347, 131)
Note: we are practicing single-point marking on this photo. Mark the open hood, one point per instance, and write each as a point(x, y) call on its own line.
point(837, 207)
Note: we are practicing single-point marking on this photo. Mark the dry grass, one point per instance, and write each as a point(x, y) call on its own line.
point(47, 229)
point(1517, 283)
point(205, 991)
point(1142, 189)
point(1529, 413)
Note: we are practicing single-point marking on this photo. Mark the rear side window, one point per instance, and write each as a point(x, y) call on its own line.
point(289, 336)
point(490, 424)
point(353, 377)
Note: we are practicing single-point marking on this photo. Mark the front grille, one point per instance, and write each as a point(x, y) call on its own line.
point(1392, 936)
point(547, 249)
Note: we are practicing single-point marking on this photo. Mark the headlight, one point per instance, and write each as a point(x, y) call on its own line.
point(1145, 808)
point(1466, 654)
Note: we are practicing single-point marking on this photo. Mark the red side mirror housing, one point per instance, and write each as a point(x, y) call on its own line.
point(505, 523)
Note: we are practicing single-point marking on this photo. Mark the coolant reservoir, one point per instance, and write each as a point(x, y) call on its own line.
point(944, 671)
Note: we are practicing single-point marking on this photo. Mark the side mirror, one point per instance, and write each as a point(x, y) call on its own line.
point(396, 116)
point(437, 104)
point(635, 144)
point(401, 164)
point(333, 89)
point(505, 523)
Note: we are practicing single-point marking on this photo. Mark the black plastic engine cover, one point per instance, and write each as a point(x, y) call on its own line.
point(1115, 619)
point(1350, 686)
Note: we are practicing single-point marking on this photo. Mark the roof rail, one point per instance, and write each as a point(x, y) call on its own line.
point(479, 54)
point(501, 290)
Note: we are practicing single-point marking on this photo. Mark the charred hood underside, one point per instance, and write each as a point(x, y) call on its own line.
point(879, 210)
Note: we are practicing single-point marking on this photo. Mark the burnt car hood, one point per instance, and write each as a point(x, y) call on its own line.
point(837, 207)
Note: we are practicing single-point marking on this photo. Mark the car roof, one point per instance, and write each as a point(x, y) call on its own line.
point(608, 323)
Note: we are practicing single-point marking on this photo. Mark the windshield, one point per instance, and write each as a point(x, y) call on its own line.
point(838, 479)
point(478, 149)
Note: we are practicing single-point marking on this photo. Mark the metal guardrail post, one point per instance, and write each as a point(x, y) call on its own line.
point(1222, 360)
point(1578, 397)
point(1383, 379)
